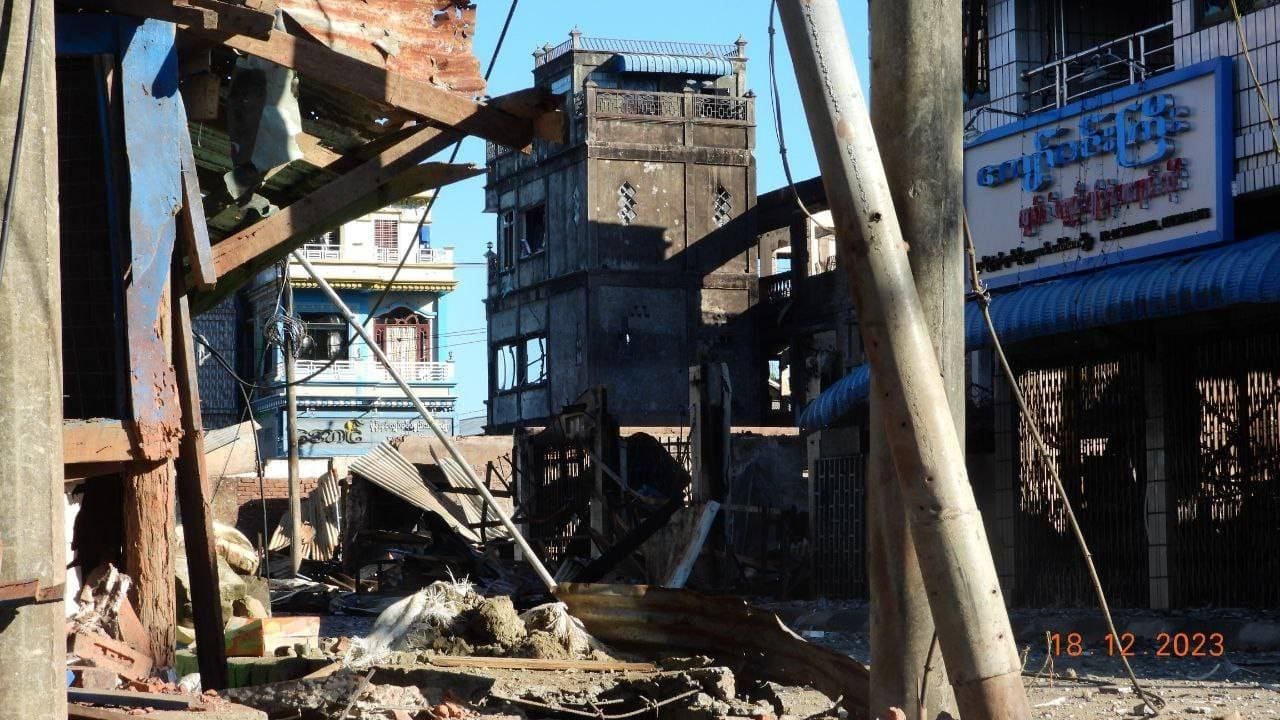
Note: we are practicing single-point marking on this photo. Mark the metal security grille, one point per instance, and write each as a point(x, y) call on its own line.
point(556, 496)
point(1092, 418)
point(91, 342)
point(1223, 470)
point(839, 527)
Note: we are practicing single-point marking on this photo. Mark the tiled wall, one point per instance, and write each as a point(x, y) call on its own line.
point(1256, 155)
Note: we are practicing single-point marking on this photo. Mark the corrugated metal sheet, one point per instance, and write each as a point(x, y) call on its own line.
point(471, 506)
point(1241, 273)
point(321, 522)
point(672, 64)
point(754, 642)
point(428, 40)
point(222, 437)
point(385, 467)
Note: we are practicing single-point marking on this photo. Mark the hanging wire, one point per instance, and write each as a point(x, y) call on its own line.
point(386, 289)
point(775, 106)
point(1155, 702)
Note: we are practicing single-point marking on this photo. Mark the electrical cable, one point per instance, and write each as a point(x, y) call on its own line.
point(386, 290)
point(19, 131)
point(1253, 73)
point(1155, 702)
point(776, 107)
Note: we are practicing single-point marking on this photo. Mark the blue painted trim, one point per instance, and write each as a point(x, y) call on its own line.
point(1224, 118)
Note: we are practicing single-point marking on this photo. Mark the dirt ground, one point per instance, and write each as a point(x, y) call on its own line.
point(1094, 686)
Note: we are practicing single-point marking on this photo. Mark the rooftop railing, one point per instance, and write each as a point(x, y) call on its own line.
point(577, 41)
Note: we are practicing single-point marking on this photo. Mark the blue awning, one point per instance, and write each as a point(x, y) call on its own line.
point(1241, 273)
point(673, 64)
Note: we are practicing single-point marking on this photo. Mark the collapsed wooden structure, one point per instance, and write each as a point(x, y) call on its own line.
point(222, 136)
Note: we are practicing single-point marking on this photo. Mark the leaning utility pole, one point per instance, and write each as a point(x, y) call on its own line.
point(917, 110)
point(32, 633)
point(291, 405)
point(959, 575)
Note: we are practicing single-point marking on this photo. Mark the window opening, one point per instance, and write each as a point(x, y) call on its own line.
point(535, 230)
point(507, 246)
point(535, 360)
point(627, 203)
point(324, 338)
point(723, 207)
point(505, 366)
point(386, 238)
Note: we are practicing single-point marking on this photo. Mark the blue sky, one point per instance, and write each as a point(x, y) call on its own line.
point(459, 219)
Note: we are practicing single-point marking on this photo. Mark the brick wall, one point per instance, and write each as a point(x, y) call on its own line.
point(247, 515)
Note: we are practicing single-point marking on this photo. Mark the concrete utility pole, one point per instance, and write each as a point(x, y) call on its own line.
point(32, 637)
point(959, 575)
point(917, 110)
point(291, 404)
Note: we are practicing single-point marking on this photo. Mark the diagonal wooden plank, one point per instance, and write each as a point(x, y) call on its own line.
point(307, 216)
point(317, 62)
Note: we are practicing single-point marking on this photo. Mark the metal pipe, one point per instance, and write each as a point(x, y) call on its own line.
point(291, 410)
point(475, 481)
point(951, 544)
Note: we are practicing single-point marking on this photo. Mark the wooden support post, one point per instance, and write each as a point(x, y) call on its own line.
point(32, 548)
point(149, 524)
point(973, 627)
point(918, 115)
point(194, 502)
point(148, 554)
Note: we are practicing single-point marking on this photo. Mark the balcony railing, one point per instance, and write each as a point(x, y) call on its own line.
point(1123, 61)
point(776, 288)
point(636, 103)
point(385, 256)
point(373, 371)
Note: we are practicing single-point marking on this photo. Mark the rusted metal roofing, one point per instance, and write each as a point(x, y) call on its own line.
point(752, 641)
point(428, 40)
point(385, 467)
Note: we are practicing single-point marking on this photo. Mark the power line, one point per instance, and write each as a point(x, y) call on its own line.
point(386, 290)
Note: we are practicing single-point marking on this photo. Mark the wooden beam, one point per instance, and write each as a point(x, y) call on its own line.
point(205, 15)
point(193, 230)
point(195, 502)
point(97, 441)
point(273, 239)
point(317, 62)
point(316, 154)
point(505, 663)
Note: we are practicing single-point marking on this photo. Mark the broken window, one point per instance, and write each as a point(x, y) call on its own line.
point(506, 367)
point(627, 203)
point(507, 240)
point(386, 238)
point(977, 58)
point(1212, 12)
point(535, 360)
point(723, 207)
point(535, 230)
point(325, 337)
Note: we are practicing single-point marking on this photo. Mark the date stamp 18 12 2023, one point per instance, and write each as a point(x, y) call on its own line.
point(1174, 645)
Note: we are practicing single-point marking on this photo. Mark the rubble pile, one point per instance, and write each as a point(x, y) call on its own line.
point(451, 618)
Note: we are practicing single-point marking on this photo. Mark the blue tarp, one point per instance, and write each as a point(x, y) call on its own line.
point(1240, 273)
point(673, 64)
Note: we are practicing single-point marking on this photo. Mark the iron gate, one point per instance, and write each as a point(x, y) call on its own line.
point(556, 496)
point(1223, 466)
point(1092, 418)
point(839, 527)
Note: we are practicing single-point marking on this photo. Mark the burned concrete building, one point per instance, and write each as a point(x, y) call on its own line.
point(627, 255)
